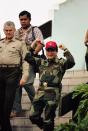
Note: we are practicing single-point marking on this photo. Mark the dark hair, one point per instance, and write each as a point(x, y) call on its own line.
point(25, 13)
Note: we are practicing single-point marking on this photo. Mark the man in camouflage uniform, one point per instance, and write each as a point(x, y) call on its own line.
point(51, 72)
point(28, 34)
point(12, 52)
point(86, 44)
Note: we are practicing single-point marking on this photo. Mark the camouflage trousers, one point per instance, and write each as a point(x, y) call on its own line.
point(43, 108)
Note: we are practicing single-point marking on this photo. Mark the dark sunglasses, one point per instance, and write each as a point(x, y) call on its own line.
point(51, 49)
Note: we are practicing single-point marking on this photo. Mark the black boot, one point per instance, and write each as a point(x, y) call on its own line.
point(38, 121)
point(48, 126)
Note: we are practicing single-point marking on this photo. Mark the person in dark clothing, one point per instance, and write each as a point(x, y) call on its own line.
point(86, 44)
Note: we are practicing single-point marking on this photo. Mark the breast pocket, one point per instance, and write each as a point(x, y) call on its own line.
point(13, 50)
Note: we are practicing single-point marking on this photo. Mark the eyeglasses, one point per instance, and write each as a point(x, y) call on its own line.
point(51, 49)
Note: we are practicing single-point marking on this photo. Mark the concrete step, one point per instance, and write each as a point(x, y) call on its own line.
point(25, 128)
point(76, 73)
point(24, 124)
point(70, 80)
point(74, 81)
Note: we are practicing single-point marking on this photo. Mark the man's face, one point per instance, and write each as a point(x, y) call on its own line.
point(9, 31)
point(24, 21)
point(50, 54)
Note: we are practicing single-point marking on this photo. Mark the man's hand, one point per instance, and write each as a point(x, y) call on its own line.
point(22, 82)
point(36, 41)
point(62, 47)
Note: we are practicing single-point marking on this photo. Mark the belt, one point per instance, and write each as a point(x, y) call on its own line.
point(8, 66)
point(57, 85)
point(50, 87)
point(54, 85)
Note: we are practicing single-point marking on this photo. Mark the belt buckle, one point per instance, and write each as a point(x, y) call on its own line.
point(45, 85)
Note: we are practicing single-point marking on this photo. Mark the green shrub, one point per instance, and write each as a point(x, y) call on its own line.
point(81, 113)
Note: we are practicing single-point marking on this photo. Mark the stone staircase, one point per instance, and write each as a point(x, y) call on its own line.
point(70, 80)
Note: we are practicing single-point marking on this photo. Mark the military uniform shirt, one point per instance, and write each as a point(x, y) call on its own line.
point(13, 53)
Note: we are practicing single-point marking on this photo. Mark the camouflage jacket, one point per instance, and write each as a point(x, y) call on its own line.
point(52, 71)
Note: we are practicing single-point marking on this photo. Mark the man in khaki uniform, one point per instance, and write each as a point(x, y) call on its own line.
point(12, 53)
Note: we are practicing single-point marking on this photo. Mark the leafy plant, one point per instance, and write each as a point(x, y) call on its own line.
point(81, 90)
point(66, 127)
point(81, 113)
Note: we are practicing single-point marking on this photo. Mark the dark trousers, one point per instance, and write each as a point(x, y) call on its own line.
point(29, 88)
point(86, 59)
point(17, 102)
point(9, 81)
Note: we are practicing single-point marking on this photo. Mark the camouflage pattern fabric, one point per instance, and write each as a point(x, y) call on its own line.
point(48, 96)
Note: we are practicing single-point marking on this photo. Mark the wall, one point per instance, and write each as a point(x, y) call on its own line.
point(69, 26)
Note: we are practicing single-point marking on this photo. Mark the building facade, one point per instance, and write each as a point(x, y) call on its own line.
point(70, 23)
